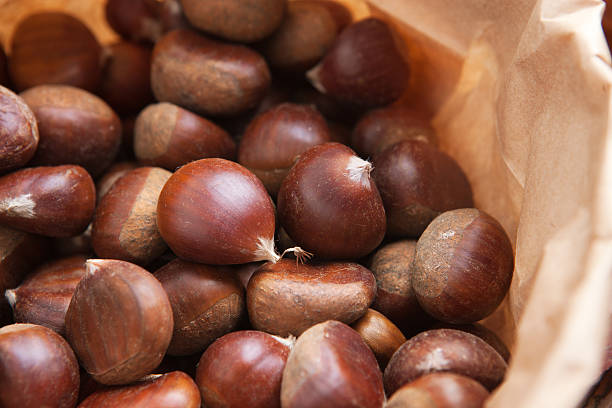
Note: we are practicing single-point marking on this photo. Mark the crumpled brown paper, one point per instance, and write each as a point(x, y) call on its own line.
point(520, 92)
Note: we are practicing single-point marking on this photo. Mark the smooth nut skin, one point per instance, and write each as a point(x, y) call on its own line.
point(236, 20)
point(169, 136)
point(483, 332)
point(135, 20)
point(37, 368)
point(380, 334)
point(340, 13)
point(111, 175)
point(119, 322)
point(463, 266)
point(43, 298)
point(417, 182)
point(18, 131)
point(331, 366)
point(274, 140)
point(172, 390)
point(363, 66)
point(125, 222)
point(444, 350)
point(440, 390)
point(56, 201)
point(54, 48)
point(207, 302)
point(329, 205)
point(243, 369)
point(190, 221)
point(75, 126)
point(287, 297)
point(207, 76)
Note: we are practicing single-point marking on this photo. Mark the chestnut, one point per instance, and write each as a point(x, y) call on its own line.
point(243, 369)
point(171, 390)
point(18, 131)
point(76, 127)
point(54, 201)
point(207, 302)
point(330, 206)
point(483, 332)
point(125, 222)
point(169, 136)
point(244, 272)
point(444, 350)
point(134, 20)
point(119, 322)
point(380, 334)
point(340, 13)
point(287, 297)
point(274, 139)
point(463, 266)
point(331, 366)
point(75, 245)
point(207, 76)
point(43, 298)
point(440, 390)
point(417, 182)
point(111, 175)
point(38, 368)
point(54, 48)
point(363, 67)
point(236, 20)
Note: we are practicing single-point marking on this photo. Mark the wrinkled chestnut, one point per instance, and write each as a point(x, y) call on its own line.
point(380, 334)
point(287, 297)
point(119, 322)
point(18, 131)
point(463, 266)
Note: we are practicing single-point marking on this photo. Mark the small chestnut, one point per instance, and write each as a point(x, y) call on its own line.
point(18, 131)
point(380, 334)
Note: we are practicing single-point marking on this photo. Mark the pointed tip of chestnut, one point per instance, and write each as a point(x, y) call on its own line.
point(94, 265)
point(11, 297)
point(288, 341)
point(359, 170)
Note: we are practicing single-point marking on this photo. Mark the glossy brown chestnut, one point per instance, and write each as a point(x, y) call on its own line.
point(440, 390)
point(236, 20)
point(207, 76)
point(287, 297)
point(330, 206)
point(75, 126)
point(417, 182)
point(481, 331)
point(18, 131)
point(43, 298)
point(207, 302)
point(273, 141)
point(54, 48)
point(54, 201)
point(463, 266)
point(135, 20)
point(37, 368)
point(112, 174)
point(444, 350)
point(217, 212)
point(382, 128)
point(243, 369)
point(172, 390)
point(331, 366)
point(380, 334)
point(125, 222)
point(169, 136)
point(119, 322)
point(363, 66)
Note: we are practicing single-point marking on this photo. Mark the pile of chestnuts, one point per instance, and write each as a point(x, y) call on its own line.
point(235, 206)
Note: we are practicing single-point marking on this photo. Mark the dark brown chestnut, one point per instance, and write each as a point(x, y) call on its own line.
point(440, 390)
point(111, 175)
point(287, 297)
point(135, 20)
point(380, 334)
point(463, 266)
point(169, 136)
point(444, 350)
point(54, 48)
point(483, 332)
point(329, 205)
point(18, 131)
point(236, 20)
point(417, 182)
point(172, 390)
point(274, 139)
point(38, 368)
point(75, 126)
point(119, 322)
point(207, 76)
point(54, 201)
point(331, 366)
point(243, 369)
point(207, 302)
point(43, 298)
point(363, 66)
